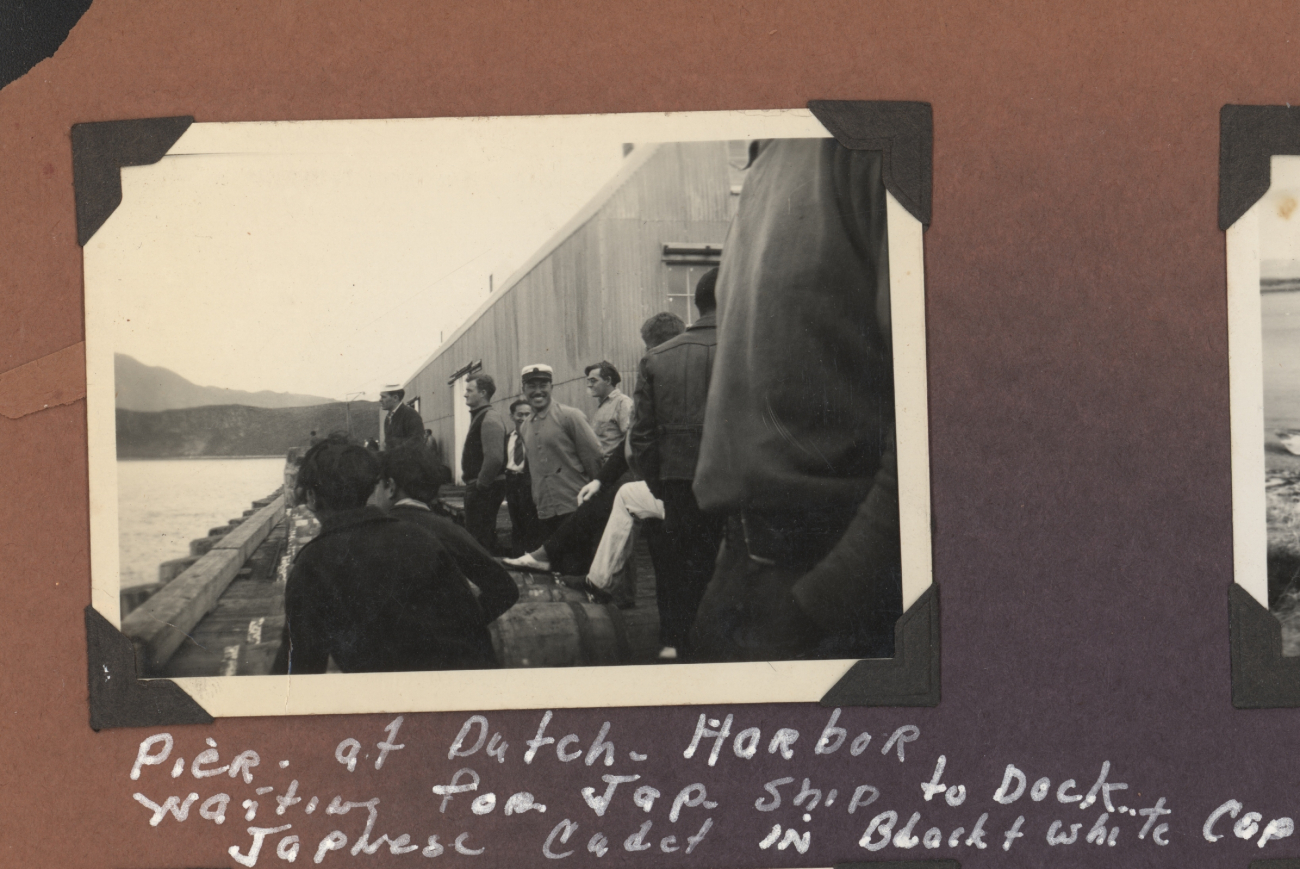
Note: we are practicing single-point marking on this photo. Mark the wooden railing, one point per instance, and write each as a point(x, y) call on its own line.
point(160, 624)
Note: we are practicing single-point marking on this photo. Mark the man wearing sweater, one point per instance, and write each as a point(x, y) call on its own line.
point(483, 461)
point(571, 546)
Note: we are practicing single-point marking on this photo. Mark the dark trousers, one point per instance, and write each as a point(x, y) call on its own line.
point(652, 532)
point(523, 512)
point(481, 508)
point(689, 546)
point(572, 542)
point(548, 526)
point(545, 529)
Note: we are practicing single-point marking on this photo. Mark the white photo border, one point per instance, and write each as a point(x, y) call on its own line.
point(609, 686)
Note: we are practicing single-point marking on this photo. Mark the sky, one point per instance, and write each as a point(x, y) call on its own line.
point(1279, 234)
point(328, 257)
point(1279, 223)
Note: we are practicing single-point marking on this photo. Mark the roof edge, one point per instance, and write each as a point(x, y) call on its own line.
point(640, 155)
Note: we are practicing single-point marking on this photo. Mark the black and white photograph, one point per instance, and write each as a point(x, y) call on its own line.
point(1264, 306)
point(483, 413)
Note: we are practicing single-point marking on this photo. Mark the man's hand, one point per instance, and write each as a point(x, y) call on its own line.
point(587, 492)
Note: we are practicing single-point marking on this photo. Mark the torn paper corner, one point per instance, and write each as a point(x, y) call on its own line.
point(55, 379)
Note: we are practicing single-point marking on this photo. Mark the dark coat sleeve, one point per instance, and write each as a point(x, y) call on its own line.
point(857, 586)
point(801, 394)
point(407, 424)
point(644, 435)
point(498, 591)
point(303, 647)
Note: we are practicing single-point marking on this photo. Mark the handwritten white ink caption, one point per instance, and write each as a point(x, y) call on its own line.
point(789, 804)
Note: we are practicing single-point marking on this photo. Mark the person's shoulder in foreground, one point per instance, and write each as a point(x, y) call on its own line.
point(408, 485)
point(497, 591)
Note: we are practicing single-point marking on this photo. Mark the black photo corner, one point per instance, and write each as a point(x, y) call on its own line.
point(32, 30)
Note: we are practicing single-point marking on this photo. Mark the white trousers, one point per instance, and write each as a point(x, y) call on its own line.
point(631, 502)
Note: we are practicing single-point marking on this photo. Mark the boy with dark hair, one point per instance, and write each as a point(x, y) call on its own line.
point(660, 327)
point(372, 592)
point(408, 483)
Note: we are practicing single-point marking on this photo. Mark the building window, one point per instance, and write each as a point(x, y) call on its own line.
point(687, 262)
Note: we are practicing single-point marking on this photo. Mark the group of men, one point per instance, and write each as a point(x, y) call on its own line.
point(635, 460)
point(761, 438)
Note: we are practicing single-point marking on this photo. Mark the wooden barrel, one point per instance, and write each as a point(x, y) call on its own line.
point(560, 633)
point(540, 587)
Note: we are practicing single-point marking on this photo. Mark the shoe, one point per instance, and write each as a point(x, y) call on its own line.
point(668, 655)
point(596, 594)
point(527, 562)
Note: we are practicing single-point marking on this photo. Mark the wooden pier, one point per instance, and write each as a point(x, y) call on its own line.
point(240, 635)
point(239, 631)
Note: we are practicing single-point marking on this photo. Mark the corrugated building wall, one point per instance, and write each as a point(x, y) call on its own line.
point(584, 295)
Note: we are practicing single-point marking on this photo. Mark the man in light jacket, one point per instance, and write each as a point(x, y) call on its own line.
point(564, 455)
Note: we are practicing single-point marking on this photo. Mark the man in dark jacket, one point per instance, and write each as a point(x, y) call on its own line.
point(483, 461)
point(408, 484)
point(372, 592)
point(671, 389)
point(798, 447)
point(402, 423)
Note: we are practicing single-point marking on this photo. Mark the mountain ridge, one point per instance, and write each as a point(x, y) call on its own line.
point(237, 430)
point(152, 388)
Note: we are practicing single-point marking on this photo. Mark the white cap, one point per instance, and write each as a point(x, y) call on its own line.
point(537, 371)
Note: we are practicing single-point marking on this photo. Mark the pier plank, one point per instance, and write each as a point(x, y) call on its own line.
point(248, 617)
point(253, 530)
point(223, 640)
point(163, 623)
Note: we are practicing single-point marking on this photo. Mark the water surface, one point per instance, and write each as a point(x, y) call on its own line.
point(163, 504)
